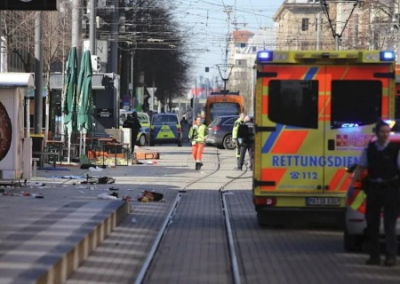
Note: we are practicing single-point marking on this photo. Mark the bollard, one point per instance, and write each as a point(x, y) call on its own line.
point(34, 160)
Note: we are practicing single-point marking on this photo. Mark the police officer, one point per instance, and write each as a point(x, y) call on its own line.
point(382, 160)
point(246, 142)
point(197, 134)
point(235, 129)
point(133, 123)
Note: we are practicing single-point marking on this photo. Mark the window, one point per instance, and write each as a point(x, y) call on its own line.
point(293, 102)
point(143, 118)
point(304, 24)
point(397, 109)
point(230, 121)
point(215, 122)
point(355, 102)
point(220, 109)
point(165, 120)
point(241, 62)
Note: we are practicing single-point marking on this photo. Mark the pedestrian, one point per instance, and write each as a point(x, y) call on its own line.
point(197, 134)
point(235, 129)
point(246, 141)
point(185, 128)
point(381, 159)
point(133, 123)
point(184, 121)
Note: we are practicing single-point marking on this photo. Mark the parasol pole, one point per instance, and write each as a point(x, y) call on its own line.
point(69, 148)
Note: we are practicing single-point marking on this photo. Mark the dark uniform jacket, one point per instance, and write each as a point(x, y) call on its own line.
point(133, 124)
point(246, 133)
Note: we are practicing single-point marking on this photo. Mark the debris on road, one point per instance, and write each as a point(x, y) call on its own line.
point(37, 195)
point(147, 196)
point(106, 196)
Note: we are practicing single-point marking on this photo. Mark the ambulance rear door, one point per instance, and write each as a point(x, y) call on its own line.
point(356, 97)
point(289, 135)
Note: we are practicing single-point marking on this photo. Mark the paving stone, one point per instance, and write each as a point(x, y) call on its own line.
point(194, 248)
point(289, 255)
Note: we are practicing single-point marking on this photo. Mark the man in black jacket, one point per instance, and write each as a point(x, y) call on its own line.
point(246, 142)
point(133, 123)
point(382, 160)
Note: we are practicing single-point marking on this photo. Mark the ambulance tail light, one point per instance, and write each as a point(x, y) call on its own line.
point(179, 130)
point(264, 56)
point(265, 201)
point(387, 56)
point(215, 128)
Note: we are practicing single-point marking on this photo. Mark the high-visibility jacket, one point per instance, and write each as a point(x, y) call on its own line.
point(198, 133)
point(236, 125)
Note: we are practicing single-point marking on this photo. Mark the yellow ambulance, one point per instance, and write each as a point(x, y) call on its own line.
point(314, 113)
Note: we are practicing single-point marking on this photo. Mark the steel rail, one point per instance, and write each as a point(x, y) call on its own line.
point(156, 244)
point(229, 233)
point(157, 241)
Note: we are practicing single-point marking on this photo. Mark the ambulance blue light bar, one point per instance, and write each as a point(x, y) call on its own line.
point(264, 56)
point(387, 56)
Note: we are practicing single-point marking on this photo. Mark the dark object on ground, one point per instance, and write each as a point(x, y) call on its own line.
point(87, 166)
point(101, 180)
point(106, 180)
point(113, 188)
point(151, 196)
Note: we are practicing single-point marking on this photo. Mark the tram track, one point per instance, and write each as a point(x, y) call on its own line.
point(235, 270)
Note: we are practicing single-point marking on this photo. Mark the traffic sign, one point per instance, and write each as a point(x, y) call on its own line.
point(151, 91)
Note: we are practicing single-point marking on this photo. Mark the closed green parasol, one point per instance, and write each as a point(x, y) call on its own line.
point(69, 95)
point(84, 99)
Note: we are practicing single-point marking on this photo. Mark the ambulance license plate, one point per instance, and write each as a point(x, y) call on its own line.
point(322, 201)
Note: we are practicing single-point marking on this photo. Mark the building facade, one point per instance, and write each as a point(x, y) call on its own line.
point(297, 25)
point(243, 56)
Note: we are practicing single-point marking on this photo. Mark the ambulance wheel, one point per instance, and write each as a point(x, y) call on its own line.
point(142, 140)
point(228, 142)
point(151, 143)
point(352, 243)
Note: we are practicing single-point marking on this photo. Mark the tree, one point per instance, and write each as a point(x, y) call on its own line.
point(18, 33)
point(161, 49)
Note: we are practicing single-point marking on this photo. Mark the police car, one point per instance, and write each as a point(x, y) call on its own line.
point(355, 221)
point(144, 132)
point(165, 128)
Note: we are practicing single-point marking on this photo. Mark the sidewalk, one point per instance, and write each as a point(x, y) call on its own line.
point(42, 240)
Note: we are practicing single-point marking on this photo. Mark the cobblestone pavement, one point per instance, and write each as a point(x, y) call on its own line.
point(194, 248)
point(289, 255)
point(31, 228)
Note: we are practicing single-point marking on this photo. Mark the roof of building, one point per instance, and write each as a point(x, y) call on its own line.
point(294, 5)
point(242, 35)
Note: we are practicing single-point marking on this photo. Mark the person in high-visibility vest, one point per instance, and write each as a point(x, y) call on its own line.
point(197, 134)
point(235, 129)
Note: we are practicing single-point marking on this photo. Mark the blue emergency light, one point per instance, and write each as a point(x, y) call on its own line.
point(387, 56)
point(264, 56)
